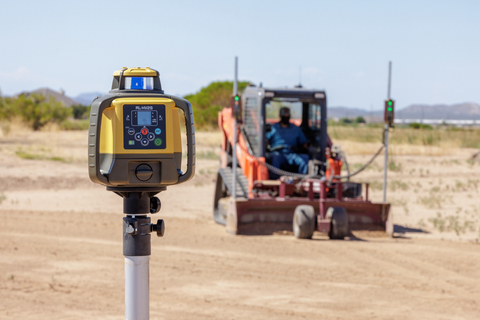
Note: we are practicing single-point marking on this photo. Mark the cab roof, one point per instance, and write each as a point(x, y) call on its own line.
point(297, 92)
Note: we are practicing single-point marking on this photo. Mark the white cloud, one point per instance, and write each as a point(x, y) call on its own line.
point(21, 74)
point(23, 79)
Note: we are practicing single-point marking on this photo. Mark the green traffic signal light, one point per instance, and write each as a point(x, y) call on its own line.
point(389, 109)
point(390, 103)
point(236, 98)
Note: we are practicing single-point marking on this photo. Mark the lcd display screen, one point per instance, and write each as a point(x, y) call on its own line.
point(144, 118)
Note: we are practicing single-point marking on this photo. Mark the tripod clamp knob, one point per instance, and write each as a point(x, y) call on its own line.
point(159, 228)
point(155, 205)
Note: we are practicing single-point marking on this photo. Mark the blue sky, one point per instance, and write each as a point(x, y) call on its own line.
point(341, 46)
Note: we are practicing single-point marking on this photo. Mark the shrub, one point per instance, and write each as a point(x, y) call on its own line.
point(345, 121)
point(416, 125)
point(72, 124)
point(80, 111)
point(210, 100)
point(360, 119)
point(37, 111)
point(6, 108)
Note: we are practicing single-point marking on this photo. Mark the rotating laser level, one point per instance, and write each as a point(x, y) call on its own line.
point(134, 137)
point(135, 150)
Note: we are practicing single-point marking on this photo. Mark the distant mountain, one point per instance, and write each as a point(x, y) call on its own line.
point(83, 98)
point(460, 111)
point(87, 97)
point(346, 112)
point(57, 95)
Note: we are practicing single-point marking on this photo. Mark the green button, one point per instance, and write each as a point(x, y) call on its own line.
point(131, 142)
point(158, 142)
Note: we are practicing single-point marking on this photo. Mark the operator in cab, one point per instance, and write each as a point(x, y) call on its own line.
point(285, 140)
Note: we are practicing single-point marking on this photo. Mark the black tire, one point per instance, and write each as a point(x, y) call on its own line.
point(220, 214)
point(339, 222)
point(304, 222)
point(220, 201)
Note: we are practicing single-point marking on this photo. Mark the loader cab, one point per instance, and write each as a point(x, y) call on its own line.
point(308, 110)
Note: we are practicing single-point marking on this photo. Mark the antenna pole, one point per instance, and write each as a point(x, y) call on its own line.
point(235, 79)
point(389, 78)
point(300, 76)
point(234, 151)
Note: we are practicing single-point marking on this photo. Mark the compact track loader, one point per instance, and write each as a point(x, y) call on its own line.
point(270, 199)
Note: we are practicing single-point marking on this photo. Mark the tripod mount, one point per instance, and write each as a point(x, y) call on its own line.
point(137, 229)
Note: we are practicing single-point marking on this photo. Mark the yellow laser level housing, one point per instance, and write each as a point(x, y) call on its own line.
point(134, 134)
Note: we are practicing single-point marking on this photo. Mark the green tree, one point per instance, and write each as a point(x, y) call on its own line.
point(6, 109)
point(345, 121)
point(210, 100)
point(422, 126)
point(360, 119)
point(79, 111)
point(37, 110)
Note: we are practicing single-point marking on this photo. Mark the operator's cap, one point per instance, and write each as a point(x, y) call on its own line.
point(284, 111)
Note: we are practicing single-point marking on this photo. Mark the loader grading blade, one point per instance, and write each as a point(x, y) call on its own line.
point(262, 217)
point(267, 215)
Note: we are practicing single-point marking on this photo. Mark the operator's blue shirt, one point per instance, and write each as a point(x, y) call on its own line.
point(287, 138)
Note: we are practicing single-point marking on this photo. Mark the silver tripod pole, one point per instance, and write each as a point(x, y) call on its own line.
point(137, 288)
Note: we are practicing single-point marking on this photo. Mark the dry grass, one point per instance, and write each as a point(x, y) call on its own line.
point(441, 137)
point(405, 141)
point(369, 148)
point(359, 140)
point(48, 144)
point(365, 140)
point(452, 223)
point(211, 139)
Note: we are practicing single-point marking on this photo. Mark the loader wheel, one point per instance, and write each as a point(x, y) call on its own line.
point(339, 224)
point(304, 221)
point(220, 201)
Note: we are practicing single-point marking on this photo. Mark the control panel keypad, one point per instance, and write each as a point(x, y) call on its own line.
point(144, 126)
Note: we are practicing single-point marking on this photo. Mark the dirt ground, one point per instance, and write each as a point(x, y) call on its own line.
point(61, 244)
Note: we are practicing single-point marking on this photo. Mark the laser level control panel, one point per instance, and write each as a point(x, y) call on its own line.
point(144, 127)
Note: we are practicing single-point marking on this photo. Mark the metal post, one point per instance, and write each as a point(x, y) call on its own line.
point(137, 249)
point(234, 151)
point(385, 165)
point(235, 79)
point(136, 287)
point(389, 78)
point(385, 168)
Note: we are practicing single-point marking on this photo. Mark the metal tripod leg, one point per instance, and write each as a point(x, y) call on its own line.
point(137, 287)
point(136, 249)
point(137, 231)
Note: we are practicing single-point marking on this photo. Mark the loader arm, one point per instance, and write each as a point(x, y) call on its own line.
point(250, 165)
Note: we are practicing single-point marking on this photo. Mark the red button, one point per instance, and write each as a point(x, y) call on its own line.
point(144, 131)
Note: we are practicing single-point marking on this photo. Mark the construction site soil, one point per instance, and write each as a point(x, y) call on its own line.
point(61, 244)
